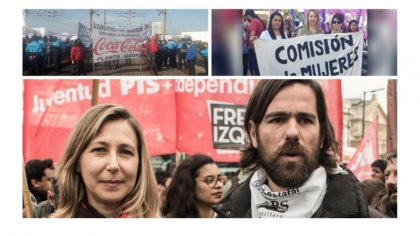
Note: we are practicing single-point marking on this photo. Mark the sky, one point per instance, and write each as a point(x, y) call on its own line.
point(354, 88)
point(66, 20)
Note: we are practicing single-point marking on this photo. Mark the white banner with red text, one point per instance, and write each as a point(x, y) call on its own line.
point(112, 43)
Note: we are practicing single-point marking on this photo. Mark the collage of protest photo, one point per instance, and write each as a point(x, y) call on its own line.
point(208, 112)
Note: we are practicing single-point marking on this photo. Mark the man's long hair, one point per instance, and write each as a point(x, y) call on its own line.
point(263, 95)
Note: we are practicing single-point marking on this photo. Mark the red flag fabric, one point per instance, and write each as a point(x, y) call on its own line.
point(53, 107)
point(333, 96)
point(210, 116)
point(366, 153)
point(187, 115)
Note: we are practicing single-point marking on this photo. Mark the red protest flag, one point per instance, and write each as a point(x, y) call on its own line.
point(334, 99)
point(366, 153)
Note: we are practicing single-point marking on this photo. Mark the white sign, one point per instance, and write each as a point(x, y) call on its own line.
point(111, 43)
point(315, 55)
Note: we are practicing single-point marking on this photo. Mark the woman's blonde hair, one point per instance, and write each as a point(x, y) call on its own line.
point(318, 22)
point(142, 200)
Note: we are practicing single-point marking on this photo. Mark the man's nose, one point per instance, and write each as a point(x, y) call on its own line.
point(292, 130)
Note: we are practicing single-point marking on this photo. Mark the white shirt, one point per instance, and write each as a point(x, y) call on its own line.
point(266, 36)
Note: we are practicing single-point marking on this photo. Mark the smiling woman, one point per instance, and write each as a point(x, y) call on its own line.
point(105, 170)
point(195, 187)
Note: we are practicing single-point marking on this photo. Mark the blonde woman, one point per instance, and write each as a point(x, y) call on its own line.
point(312, 24)
point(105, 170)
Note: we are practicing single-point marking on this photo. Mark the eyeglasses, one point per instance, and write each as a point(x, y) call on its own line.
point(336, 22)
point(212, 180)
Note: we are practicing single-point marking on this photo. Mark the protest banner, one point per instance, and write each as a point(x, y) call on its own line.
point(210, 116)
point(366, 153)
point(84, 34)
point(111, 43)
point(314, 55)
point(33, 31)
point(360, 15)
point(187, 115)
point(53, 107)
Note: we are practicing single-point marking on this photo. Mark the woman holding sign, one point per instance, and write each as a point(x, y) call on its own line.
point(312, 24)
point(275, 29)
point(105, 171)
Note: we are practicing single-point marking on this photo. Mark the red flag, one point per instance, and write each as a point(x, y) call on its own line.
point(366, 153)
point(53, 107)
point(191, 115)
point(334, 99)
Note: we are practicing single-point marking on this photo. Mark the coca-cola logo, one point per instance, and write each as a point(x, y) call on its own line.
point(128, 45)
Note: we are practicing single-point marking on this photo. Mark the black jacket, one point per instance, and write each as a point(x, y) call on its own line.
point(344, 199)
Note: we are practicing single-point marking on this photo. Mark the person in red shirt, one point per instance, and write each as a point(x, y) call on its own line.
point(255, 28)
point(77, 56)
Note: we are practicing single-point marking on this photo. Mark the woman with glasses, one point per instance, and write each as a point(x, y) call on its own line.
point(312, 24)
point(337, 24)
point(195, 187)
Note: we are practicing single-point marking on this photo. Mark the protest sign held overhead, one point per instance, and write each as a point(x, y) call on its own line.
point(110, 43)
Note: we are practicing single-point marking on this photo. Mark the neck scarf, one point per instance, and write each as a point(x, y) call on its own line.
point(301, 202)
point(85, 210)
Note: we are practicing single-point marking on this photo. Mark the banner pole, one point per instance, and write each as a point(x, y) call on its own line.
point(26, 195)
point(95, 88)
point(94, 70)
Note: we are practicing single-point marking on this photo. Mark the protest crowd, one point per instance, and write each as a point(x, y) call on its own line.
point(289, 168)
point(49, 55)
point(281, 26)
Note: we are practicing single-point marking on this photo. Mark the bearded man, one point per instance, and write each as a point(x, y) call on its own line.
point(293, 155)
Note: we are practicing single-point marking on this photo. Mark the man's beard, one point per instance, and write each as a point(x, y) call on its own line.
point(287, 174)
point(392, 198)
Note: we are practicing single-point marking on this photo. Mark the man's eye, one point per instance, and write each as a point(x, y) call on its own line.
point(305, 121)
point(278, 120)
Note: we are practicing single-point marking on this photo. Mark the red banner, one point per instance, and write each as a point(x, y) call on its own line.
point(366, 153)
point(188, 115)
point(210, 116)
point(333, 96)
point(52, 108)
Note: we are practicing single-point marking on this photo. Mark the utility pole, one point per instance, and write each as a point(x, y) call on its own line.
point(129, 15)
point(163, 12)
point(104, 17)
point(364, 106)
point(90, 18)
point(164, 23)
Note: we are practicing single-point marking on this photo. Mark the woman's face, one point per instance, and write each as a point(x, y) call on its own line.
point(353, 27)
point(109, 165)
point(336, 24)
point(276, 22)
point(312, 18)
point(286, 25)
point(208, 185)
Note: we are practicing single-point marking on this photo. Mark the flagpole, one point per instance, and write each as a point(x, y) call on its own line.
point(95, 88)
point(26, 195)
